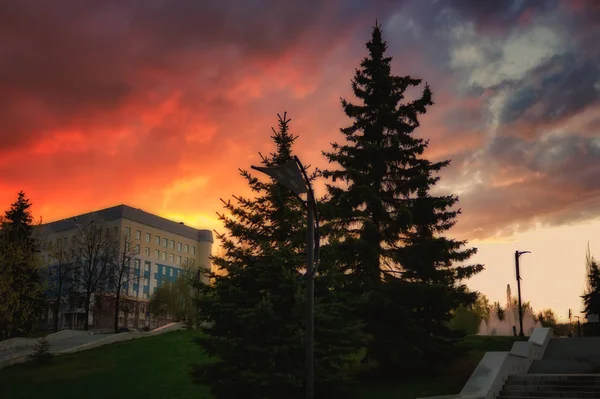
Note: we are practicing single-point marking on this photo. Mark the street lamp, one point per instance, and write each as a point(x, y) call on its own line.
point(293, 176)
point(517, 254)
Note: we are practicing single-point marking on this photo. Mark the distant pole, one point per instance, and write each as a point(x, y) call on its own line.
point(578, 327)
point(517, 254)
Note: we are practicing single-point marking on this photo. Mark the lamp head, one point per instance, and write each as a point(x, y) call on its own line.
point(288, 174)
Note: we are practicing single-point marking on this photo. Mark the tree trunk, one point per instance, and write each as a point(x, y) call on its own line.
point(57, 306)
point(56, 313)
point(117, 299)
point(87, 310)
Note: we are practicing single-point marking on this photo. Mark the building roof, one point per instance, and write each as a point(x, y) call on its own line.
point(136, 215)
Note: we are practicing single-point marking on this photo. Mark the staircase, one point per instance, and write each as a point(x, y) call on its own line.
point(529, 386)
point(569, 356)
point(570, 368)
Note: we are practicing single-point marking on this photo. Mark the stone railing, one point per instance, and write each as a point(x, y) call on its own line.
point(493, 370)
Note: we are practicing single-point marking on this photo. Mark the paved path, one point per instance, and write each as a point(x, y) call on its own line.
point(55, 347)
point(69, 341)
point(72, 342)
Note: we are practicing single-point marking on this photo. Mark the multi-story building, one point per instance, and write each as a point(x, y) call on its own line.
point(163, 250)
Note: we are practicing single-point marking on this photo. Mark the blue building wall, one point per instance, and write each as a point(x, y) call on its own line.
point(164, 273)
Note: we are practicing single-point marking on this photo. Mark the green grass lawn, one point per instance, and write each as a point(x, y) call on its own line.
point(159, 367)
point(154, 367)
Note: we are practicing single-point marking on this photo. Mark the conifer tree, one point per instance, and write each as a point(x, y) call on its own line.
point(387, 224)
point(591, 295)
point(21, 294)
point(255, 306)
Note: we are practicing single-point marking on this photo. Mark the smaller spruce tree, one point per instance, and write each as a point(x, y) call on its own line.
point(255, 304)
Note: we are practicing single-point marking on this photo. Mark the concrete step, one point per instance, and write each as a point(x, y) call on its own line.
point(534, 397)
point(532, 386)
point(554, 386)
point(549, 394)
point(545, 378)
point(564, 366)
point(573, 348)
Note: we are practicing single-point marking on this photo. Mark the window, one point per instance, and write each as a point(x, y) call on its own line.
point(157, 240)
point(157, 253)
point(171, 258)
point(165, 242)
point(143, 308)
point(137, 249)
point(179, 246)
point(138, 235)
point(116, 230)
point(147, 251)
point(148, 237)
point(164, 256)
point(127, 247)
point(178, 260)
point(193, 262)
point(172, 244)
point(193, 250)
point(137, 264)
point(185, 261)
point(186, 248)
point(147, 266)
point(127, 232)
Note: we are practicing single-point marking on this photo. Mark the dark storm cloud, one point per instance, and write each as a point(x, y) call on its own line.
point(65, 61)
point(500, 13)
point(562, 92)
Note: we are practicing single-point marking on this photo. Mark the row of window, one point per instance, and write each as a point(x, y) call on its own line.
point(177, 259)
point(166, 243)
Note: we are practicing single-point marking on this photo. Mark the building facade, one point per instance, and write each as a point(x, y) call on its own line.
point(162, 250)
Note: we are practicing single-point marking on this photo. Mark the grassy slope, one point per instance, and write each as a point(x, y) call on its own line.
point(159, 367)
point(155, 367)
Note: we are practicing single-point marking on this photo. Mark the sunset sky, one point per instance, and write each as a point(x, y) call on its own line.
point(156, 104)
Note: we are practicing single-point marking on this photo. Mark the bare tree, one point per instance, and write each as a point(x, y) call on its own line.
point(94, 247)
point(60, 275)
point(122, 275)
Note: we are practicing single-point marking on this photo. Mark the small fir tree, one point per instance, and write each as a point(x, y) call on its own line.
point(21, 293)
point(255, 305)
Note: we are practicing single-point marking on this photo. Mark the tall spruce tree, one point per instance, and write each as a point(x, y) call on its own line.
point(21, 294)
point(386, 223)
point(255, 305)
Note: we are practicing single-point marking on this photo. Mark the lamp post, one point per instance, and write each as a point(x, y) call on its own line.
point(578, 326)
point(517, 254)
point(293, 176)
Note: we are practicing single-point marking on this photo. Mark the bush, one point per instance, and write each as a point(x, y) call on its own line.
point(41, 351)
